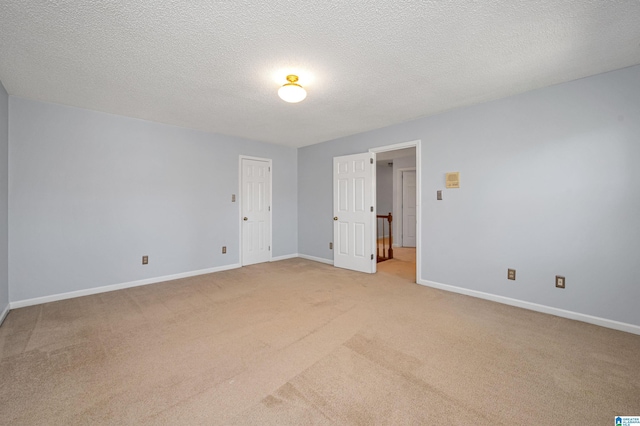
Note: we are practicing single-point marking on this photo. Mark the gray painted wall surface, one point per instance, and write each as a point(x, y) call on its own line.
point(550, 185)
point(384, 195)
point(90, 193)
point(384, 189)
point(4, 211)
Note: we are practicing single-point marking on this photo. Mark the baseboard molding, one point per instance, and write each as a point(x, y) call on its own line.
point(316, 259)
point(603, 322)
point(285, 257)
point(113, 287)
point(4, 314)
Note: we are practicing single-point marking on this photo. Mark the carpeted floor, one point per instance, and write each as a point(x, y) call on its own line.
point(299, 342)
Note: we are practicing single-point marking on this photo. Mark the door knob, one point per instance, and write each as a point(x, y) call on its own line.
point(335, 218)
point(245, 218)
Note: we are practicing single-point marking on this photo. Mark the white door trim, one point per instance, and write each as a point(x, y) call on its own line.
point(418, 145)
point(269, 161)
point(398, 241)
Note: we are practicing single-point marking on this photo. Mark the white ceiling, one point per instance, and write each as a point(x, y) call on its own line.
point(217, 65)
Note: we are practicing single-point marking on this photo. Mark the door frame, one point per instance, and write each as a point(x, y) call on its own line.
point(270, 242)
point(418, 145)
point(398, 201)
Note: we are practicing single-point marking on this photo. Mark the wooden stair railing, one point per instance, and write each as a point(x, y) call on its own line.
point(387, 250)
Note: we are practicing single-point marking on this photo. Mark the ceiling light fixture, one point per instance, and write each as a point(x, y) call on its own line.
point(292, 92)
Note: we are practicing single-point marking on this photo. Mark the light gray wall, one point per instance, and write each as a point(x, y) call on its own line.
point(384, 194)
point(90, 193)
point(550, 185)
point(384, 189)
point(4, 175)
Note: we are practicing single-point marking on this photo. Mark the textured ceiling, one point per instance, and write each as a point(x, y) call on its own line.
point(217, 65)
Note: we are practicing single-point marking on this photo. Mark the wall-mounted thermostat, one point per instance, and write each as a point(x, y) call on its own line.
point(453, 180)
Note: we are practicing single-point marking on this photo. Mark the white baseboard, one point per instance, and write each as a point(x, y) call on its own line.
point(285, 257)
point(316, 259)
point(4, 314)
point(113, 287)
point(603, 322)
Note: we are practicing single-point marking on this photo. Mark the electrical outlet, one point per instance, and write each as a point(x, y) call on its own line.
point(330, 246)
point(560, 281)
point(439, 195)
point(145, 260)
point(224, 249)
point(511, 274)
point(233, 198)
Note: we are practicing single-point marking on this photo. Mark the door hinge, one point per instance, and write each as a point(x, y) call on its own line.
point(269, 168)
point(371, 256)
point(371, 160)
point(269, 248)
point(269, 208)
point(372, 208)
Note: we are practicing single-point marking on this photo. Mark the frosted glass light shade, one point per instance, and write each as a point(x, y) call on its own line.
point(292, 92)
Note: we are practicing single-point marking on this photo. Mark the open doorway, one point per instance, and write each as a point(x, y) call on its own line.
point(397, 209)
point(355, 233)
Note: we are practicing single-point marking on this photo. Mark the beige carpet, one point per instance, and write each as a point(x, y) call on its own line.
point(299, 342)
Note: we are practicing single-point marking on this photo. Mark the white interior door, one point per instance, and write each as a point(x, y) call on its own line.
point(409, 208)
point(354, 214)
point(255, 200)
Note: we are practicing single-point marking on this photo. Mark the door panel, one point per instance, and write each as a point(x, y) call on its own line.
point(256, 211)
point(358, 186)
point(343, 194)
point(353, 178)
point(359, 238)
